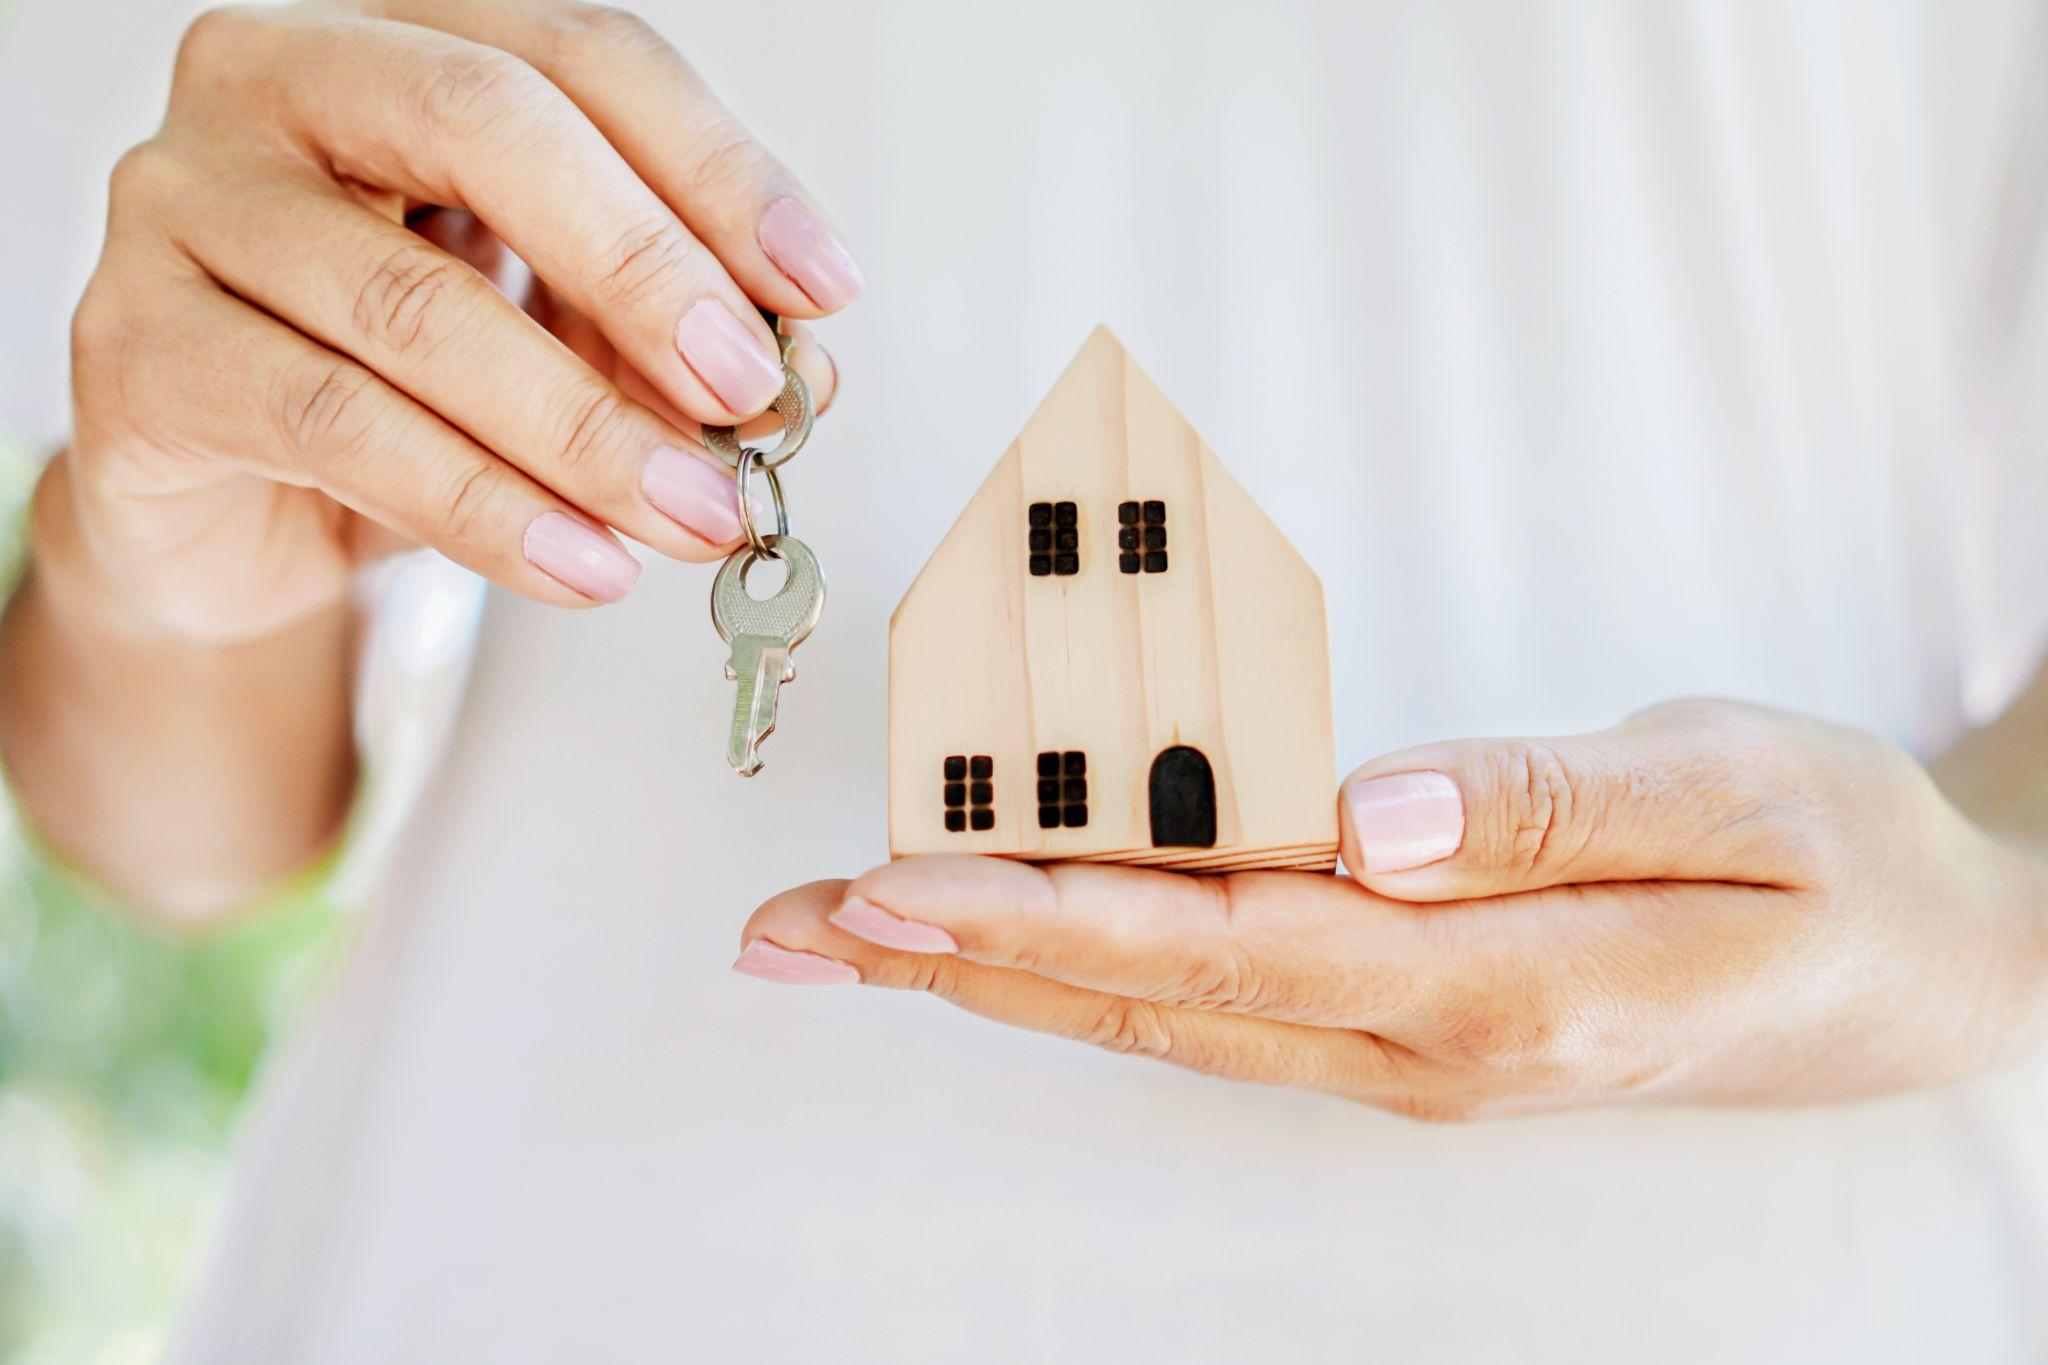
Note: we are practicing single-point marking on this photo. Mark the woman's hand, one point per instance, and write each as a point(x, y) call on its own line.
point(275, 375)
point(1708, 902)
point(292, 357)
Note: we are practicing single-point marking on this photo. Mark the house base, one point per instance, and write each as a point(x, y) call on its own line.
point(1320, 857)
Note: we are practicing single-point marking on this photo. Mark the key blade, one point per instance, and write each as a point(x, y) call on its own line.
point(760, 666)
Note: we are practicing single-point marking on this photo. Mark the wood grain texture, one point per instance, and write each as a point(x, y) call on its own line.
point(1225, 651)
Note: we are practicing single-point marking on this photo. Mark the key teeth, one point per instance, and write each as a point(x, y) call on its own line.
point(750, 762)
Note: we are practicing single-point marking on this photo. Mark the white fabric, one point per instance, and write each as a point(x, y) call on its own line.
point(1594, 354)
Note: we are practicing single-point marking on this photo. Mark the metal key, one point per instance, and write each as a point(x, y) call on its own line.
point(762, 632)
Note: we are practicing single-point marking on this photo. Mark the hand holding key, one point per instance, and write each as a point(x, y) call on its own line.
point(285, 343)
point(295, 356)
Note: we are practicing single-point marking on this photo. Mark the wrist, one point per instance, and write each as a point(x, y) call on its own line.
point(175, 592)
point(62, 570)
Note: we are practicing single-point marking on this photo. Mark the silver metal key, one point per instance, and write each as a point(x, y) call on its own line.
point(762, 632)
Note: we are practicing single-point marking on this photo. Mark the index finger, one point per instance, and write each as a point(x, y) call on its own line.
point(1299, 947)
point(788, 940)
point(662, 116)
point(453, 122)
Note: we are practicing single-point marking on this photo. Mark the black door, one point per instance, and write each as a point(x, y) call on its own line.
point(1183, 799)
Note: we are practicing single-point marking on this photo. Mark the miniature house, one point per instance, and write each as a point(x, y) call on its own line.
point(1113, 656)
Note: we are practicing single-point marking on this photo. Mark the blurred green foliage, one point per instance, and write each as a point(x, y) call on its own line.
point(125, 1051)
point(124, 1054)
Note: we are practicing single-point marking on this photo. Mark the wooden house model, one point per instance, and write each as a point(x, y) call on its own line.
point(1113, 656)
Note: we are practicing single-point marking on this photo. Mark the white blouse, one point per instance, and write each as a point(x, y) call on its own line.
point(1593, 354)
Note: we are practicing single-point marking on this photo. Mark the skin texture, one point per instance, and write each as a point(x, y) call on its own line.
point(293, 357)
point(1709, 902)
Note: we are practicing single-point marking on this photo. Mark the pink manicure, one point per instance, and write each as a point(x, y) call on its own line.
point(772, 962)
point(579, 555)
point(1406, 820)
point(696, 495)
point(805, 250)
point(876, 925)
point(728, 357)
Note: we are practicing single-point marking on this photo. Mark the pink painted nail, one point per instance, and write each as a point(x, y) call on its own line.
point(876, 925)
point(693, 493)
point(1406, 820)
point(581, 556)
point(728, 358)
point(773, 962)
point(805, 250)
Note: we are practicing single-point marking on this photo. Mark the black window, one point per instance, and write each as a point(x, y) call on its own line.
point(1053, 537)
point(1141, 537)
point(970, 792)
point(1062, 789)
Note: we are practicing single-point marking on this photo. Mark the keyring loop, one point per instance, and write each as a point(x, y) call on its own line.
point(792, 405)
point(749, 458)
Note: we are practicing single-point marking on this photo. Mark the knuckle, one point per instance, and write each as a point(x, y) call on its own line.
point(99, 326)
point(1132, 1027)
point(1735, 748)
point(117, 374)
point(475, 92)
point(1539, 800)
point(1224, 975)
point(575, 31)
point(146, 175)
point(212, 45)
point(929, 973)
point(413, 298)
point(728, 156)
point(1228, 978)
point(1739, 737)
point(1217, 981)
point(648, 255)
point(467, 505)
point(1683, 713)
point(322, 407)
point(591, 433)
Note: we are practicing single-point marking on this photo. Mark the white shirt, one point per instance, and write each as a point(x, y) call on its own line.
point(1593, 354)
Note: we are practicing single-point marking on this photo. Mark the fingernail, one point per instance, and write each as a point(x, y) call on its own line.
point(876, 925)
point(580, 556)
point(1406, 819)
point(772, 962)
point(806, 250)
point(694, 494)
point(728, 358)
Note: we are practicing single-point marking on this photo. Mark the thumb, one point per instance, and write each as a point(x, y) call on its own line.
point(1689, 792)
